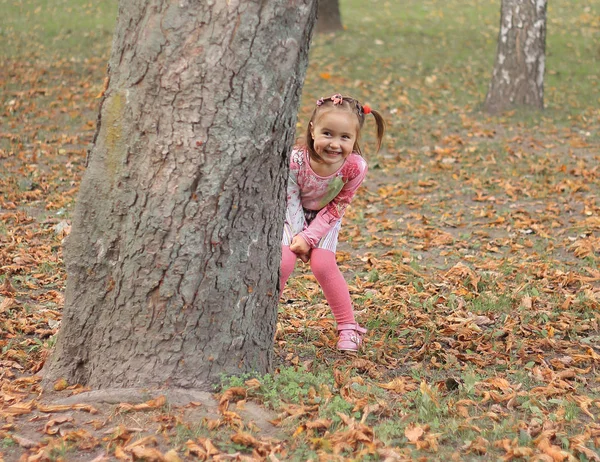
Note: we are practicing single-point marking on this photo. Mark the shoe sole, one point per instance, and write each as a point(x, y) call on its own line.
point(347, 350)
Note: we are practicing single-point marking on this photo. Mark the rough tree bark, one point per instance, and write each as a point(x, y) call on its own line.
point(328, 16)
point(174, 255)
point(518, 77)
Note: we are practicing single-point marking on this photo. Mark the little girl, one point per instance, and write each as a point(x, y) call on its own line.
point(324, 176)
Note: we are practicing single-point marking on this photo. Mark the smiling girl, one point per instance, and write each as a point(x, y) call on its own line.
point(324, 176)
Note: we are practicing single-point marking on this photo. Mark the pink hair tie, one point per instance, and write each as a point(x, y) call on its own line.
point(336, 99)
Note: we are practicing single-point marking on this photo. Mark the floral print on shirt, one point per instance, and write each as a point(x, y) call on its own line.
point(328, 195)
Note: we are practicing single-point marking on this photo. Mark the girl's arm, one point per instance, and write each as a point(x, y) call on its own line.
point(294, 213)
point(334, 210)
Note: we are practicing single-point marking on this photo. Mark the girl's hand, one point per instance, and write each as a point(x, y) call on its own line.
point(305, 257)
point(301, 248)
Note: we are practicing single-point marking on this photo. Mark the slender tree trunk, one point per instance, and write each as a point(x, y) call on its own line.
point(174, 255)
point(328, 16)
point(518, 78)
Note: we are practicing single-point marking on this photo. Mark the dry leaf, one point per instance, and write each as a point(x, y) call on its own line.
point(172, 456)
point(148, 454)
point(414, 432)
point(60, 385)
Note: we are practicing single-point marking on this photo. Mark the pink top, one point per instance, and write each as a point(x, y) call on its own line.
point(329, 195)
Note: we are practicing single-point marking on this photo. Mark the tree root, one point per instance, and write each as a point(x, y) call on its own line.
point(174, 396)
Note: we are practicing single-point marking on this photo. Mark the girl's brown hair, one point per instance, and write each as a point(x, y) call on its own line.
point(349, 104)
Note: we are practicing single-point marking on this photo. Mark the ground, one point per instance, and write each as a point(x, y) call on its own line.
point(471, 253)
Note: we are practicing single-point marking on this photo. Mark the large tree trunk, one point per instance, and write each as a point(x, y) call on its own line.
point(174, 255)
point(328, 16)
point(518, 78)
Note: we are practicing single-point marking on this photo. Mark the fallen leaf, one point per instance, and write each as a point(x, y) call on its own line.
point(413, 432)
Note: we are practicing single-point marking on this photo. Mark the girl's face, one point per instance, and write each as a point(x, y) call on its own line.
point(334, 133)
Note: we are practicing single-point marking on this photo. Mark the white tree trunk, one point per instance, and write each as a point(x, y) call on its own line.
point(174, 255)
point(518, 78)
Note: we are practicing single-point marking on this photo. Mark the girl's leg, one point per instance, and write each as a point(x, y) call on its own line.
point(335, 288)
point(288, 261)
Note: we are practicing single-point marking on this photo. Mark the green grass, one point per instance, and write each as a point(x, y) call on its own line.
point(436, 58)
point(60, 451)
point(189, 431)
point(290, 384)
point(426, 65)
point(394, 44)
point(7, 442)
point(71, 29)
point(490, 302)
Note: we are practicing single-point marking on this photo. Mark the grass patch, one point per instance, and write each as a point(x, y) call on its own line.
point(290, 384)
point(465, 355)
point(71, 29)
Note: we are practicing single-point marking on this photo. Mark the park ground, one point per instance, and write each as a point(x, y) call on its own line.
point(471, 253)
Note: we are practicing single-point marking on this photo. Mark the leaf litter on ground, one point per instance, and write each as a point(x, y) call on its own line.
point(471, 254)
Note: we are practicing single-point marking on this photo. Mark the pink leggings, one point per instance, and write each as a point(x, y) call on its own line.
point(331, 280)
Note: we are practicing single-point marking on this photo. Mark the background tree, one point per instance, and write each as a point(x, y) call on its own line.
point(174, 255)
point(518, 77)
point(328, 16)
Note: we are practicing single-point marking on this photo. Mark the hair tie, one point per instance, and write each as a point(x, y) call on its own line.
point(336, 99)
point(366, 109)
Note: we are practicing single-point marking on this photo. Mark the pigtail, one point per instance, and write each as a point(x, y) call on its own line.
point(380, 122)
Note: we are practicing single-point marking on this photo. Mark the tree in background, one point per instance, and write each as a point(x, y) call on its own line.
point(174, 255)
point(518, 77)
point(328, 16)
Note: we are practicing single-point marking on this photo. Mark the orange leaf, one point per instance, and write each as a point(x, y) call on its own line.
point(209, 447)
point(19, 409)
point(121, 455)
point(148, 405)
point(323, 424)
point(414, 432)
point(51, 427)
point(172, 456)
point(195, 450)
point(252, 383)
point(245, 439)
point(147, 440)
point(557, 454)
point(478, 446)
point(60, 385)
point(67, 407)
point(591, 455)
point(231, 393)
point(148, 454)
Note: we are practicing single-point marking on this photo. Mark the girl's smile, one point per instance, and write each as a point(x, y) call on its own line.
point(334, 134)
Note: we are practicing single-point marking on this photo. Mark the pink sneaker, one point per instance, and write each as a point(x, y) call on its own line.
point(350, 336)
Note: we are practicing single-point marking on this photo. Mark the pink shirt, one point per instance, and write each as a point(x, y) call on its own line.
point(329, 195)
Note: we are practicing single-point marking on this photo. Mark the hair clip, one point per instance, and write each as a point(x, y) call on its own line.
point(366, 109)
point(336, 99)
